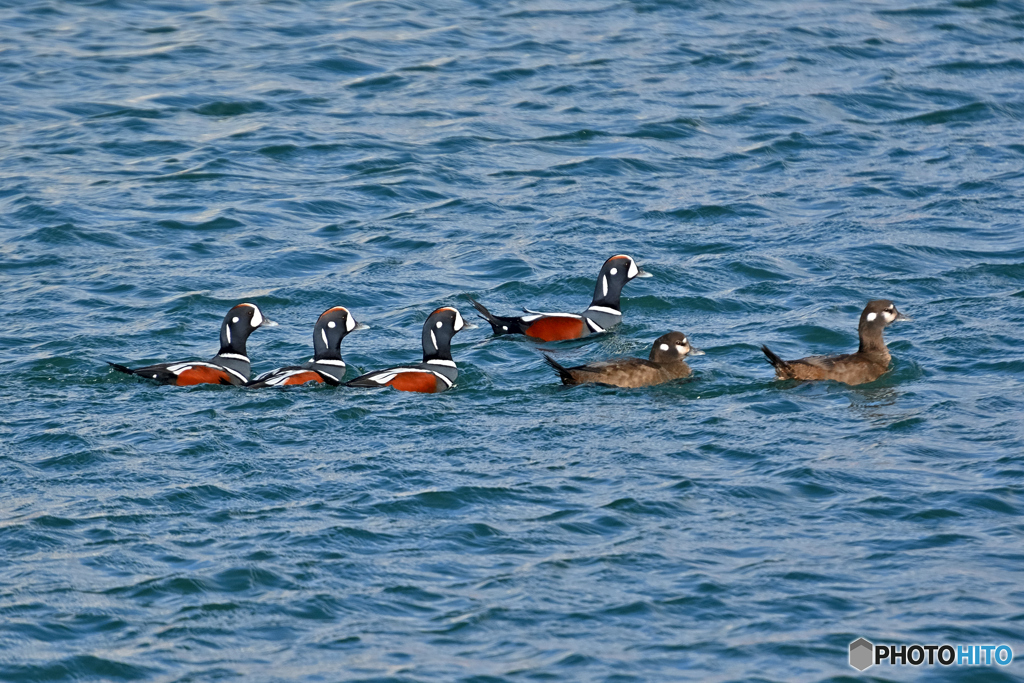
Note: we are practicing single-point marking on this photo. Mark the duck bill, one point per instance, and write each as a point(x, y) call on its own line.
point(267, 322)
point(900, 316)
point(466, 325)
point(694, 351)
point(360, 326)
point(642, 273)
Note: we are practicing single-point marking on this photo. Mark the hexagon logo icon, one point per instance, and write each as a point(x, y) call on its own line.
point(862, 654)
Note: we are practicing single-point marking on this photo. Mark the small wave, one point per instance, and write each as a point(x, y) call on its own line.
point(710, 212)
point(384, 82)
point(976, 111)
point(346, 65)
point(226, 109)
point(219, 223)
point(965, 66)
point(675, 129)
point(79, 667)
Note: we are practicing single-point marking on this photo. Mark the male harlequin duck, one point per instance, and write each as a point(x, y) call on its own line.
point(326, 364)
point(603, 312)
point(866, 365)
point(667, 362)
point(229, 366)
point(437, 372)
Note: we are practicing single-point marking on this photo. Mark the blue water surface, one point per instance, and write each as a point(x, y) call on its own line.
point(774, 165)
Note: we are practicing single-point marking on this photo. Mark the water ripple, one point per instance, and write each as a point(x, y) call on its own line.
point(773, 166)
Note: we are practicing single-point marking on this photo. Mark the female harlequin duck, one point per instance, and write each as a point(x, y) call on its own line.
point(326, 364)
point(866, 365)
point(229, 366)
point(437, 372)
point(603, 312)
point(667, 362)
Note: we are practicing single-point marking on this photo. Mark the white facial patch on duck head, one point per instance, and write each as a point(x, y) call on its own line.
point(257, 317)
point(350, 323)
point(332, 324)
point(633, 270)
point(663, 347)
point(234, 320)
point(433, 339)
point(604, 284)
point(323, 335)
point(889, 314)
point(871, 317)
point(613, 271)
point(459, 322)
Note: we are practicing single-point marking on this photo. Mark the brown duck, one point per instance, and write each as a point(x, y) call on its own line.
point(666, 363)
point(866, 365)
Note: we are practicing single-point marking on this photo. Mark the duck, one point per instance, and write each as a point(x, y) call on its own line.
point(230, 365)
point(437, 372)
point(867, 364)
point(602, 314)
point(326, 366)
point(667, 362)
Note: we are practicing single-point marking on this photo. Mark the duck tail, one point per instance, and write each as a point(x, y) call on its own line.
point(499, 325)
point(562, 371)
point(783, 370)
point(121, 368)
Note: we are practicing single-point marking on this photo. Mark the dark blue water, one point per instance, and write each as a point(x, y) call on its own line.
point(774, 165)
